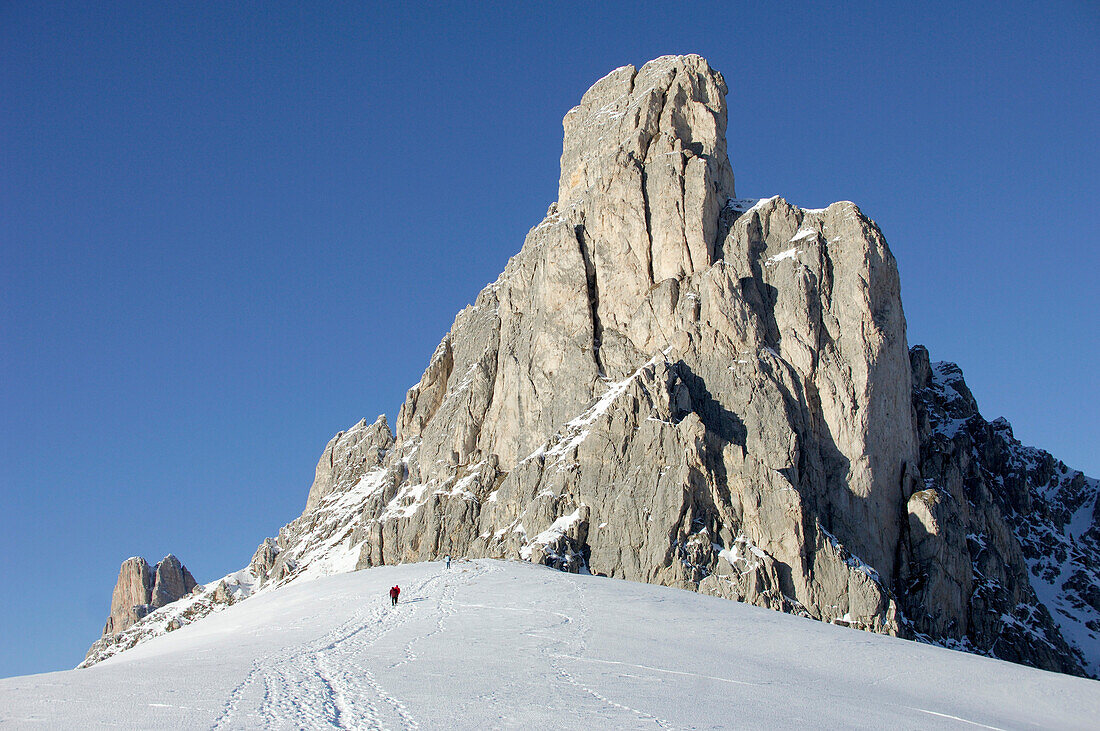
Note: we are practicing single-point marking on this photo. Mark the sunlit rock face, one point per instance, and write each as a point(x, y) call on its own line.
point(667, 383)
point(670, 384)
point(141, 589)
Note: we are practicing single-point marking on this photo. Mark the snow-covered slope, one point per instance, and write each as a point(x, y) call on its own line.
point(316, 544)
point(493, 644)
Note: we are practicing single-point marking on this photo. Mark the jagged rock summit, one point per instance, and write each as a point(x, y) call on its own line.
point(141, 589)
point(673, 385)
point(665, 374)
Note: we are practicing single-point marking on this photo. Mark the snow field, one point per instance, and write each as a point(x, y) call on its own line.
point(494, 644)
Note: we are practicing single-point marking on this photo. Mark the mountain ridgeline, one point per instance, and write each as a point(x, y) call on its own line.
point(673, 385)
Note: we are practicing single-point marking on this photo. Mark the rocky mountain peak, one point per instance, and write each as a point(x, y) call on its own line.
point(757, 348)
point(672, 385)
point(644, 175)
point(348, 455)
point(673, 105)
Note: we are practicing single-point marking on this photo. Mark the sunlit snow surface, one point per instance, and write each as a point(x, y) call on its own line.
point(493, 644)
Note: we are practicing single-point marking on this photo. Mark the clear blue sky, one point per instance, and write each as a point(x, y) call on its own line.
point(229, 230)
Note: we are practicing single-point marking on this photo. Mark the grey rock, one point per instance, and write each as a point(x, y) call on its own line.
point(347, 456)
point(1002, 555)
point(223, 594)
point(172, 581)
point(263, 560)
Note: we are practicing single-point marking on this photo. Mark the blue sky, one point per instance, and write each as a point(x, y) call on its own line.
point(228, 231)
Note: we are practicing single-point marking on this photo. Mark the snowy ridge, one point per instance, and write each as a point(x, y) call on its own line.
point(743, 205)
point(328, 545)
point(1063, 557)
point(552, 545)
point(954, 398)
point(1059, 538)
point(552, 534)
point(570, 436)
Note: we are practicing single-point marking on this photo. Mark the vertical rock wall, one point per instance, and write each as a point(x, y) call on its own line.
point(669, 384)
point(140, 589)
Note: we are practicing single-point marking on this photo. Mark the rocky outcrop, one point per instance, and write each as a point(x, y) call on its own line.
point(263, 560)
point(315, 543)
point(172, 581)
point(140, 589)
point(1002, 547)
point(130, 599)
point(347, 457)
point(198, 602)
point(673, 385)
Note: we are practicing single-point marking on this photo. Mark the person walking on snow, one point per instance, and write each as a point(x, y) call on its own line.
point(394, 593)
point(447, 560)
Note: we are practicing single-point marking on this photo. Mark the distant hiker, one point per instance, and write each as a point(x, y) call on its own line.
point(394, 593)
point(447, 561)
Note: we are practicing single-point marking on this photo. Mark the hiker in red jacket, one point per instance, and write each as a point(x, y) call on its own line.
point(394, 593)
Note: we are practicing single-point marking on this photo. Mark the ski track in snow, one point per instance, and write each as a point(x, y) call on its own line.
point(301, 689)
point(954, 718)
point(575, 643)
point(615, 714)
point(579, 648)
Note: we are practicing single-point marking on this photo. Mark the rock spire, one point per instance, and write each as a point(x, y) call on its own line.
point(140, 589)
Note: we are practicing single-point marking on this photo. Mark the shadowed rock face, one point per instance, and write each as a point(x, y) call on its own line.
point(172, 581)
point(1003, 543)
point(140, 589)
point(673, 385)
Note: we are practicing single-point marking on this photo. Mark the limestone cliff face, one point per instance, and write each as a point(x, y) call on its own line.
point(132, 593)
point(669, 384)
point(140, 589)
point(674, 385)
